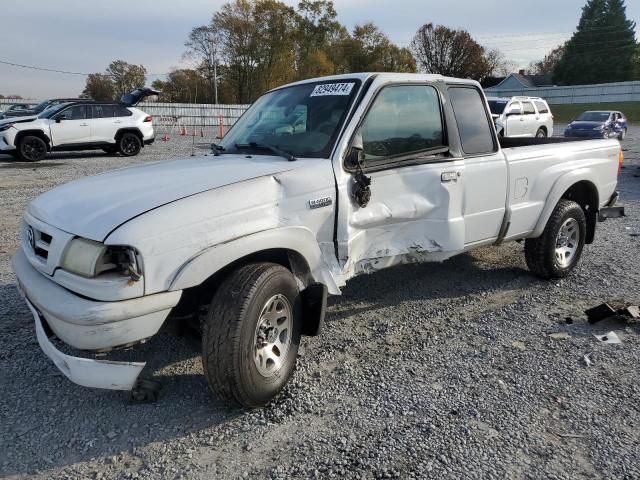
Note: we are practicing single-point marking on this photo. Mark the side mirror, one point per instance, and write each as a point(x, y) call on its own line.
point(514, 111)
point(60, 118)
point(355, 157)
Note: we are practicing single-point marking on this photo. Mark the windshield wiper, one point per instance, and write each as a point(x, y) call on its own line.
point(282, 153)
point(217, 149)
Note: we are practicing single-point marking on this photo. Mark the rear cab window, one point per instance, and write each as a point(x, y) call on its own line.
point(474, 124)
point(403, 122)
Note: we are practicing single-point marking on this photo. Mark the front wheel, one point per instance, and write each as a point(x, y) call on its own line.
point(557, 251)
point(129, 144)
point(622, 134)
point(31, 148)
point(251, 334)
point(541, 133)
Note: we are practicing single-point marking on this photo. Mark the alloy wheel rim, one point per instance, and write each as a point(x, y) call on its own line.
point(129, 145)
point(32, 150)
point(272, 338)
point(567, 242)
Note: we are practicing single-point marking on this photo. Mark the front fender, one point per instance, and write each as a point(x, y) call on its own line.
point(562, 184)
point(298, 239)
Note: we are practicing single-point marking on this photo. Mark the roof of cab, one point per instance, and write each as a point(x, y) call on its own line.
point(384, 76)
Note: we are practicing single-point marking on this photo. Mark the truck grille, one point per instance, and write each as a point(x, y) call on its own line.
point(39, 241)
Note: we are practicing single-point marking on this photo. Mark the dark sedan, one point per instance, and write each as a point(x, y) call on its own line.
point(598, 124)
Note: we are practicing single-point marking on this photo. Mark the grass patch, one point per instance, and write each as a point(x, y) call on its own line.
point(567, 113)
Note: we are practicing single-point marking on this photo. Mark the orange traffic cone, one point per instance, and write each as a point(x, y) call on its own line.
point(165, 138)
point(183, 131)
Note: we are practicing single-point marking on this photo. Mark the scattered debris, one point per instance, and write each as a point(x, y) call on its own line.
point(632, 311)
point(570, 435)
point(595, 314)
point(568, 320)
point(611, 337)
point(587, 359)
point(560, 335)
point(519, 345)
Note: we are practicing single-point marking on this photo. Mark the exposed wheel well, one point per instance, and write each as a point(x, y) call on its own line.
point(313, 294)
point(135, 131)
point(36, 133)
point(585, 194)
point(543, 128)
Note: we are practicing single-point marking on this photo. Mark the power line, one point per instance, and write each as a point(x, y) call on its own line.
point(67, 72)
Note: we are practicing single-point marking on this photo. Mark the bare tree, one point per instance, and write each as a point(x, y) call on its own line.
point(126, 76)
point(99, 87)
point(204, 44)
point(455, 53)
point(548, 64)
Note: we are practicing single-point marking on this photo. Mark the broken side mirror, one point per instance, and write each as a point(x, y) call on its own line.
point(355, 157)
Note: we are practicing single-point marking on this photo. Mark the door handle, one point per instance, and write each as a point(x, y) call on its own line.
point(118, 121)
point(450, 176)
point(84, 125)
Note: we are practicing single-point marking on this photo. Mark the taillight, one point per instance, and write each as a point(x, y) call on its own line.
point(620, 161)
point(148, 118)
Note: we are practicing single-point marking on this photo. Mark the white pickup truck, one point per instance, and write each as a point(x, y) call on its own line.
point(318, 182)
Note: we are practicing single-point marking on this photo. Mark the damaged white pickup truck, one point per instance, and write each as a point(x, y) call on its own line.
point(318, 182)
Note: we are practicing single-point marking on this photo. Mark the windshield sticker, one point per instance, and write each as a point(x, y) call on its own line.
point(332, 89)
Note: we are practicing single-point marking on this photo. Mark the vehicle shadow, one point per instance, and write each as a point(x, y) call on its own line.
point(42, 409)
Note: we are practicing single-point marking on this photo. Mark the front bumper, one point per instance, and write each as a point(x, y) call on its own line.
point(90, 325)
point(6, 142)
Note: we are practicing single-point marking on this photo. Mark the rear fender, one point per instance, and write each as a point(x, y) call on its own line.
point(564, 183)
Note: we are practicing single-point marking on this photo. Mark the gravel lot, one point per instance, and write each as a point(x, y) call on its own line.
point(423, 371)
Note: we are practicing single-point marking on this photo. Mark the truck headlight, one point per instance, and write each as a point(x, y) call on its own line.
point(90, 259)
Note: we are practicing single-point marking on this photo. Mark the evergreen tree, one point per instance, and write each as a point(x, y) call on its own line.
point(602, 48)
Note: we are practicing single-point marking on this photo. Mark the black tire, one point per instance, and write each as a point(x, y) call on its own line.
point(541, 133)
point(129, 144)
point(110, 150)
point(622, 134)
point(230, 336)
point(540, 253)
point(31, 148)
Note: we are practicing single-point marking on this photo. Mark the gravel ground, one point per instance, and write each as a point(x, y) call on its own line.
point(423, 371)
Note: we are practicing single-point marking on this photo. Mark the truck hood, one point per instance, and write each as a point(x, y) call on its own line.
point(93, 207)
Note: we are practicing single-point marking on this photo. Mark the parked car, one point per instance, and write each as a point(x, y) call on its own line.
point(14, 108)
point(522, 117)
point(598, 124)
point(36, 110)
point(78, 125)
point(381, 169)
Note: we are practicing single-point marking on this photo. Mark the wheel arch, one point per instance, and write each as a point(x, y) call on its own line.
point(135, 131)
point(38, 133)
point(295, 248)
point(579, 187)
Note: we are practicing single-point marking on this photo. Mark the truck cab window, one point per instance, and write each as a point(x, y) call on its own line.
point(473, 122)
point(403, 119)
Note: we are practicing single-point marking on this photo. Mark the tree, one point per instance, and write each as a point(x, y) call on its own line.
point(370, 50)
point(204, 44)
point(602, 48)
point(548, 64)
point(126, 77)
point(99, 87)
point(455, 53)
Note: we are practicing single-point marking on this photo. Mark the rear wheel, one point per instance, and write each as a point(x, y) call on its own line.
point(251, 334)
point(129, 144)
point(31, 148)
point(557, 251)
point(541, 133)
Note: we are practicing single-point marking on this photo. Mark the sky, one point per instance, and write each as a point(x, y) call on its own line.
point(86, 35)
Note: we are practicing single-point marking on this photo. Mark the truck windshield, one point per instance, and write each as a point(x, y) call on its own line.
point(593, 117)
point(497, 106)
point(302, 120)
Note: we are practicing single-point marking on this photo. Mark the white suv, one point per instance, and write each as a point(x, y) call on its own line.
point(78, 125)
point(522, 117)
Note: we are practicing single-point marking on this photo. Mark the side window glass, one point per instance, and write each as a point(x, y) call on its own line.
point(403, 119)
point(75, 113)
point(542, 107)
point(97, 111)
point(120, 111)
point(473, 122)
point(528, 108)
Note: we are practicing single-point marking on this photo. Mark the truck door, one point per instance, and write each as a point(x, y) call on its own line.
point(485, 183)
point(70, 126)
point(415, 207)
